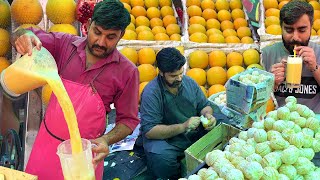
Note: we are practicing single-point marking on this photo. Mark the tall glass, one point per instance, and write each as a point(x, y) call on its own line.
point(293, 71)
point(76, 166)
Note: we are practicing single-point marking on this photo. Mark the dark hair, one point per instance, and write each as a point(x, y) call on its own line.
point(170, 60)
point(111, 14)
point(293, 10)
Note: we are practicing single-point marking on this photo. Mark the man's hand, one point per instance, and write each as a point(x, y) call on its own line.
point(308, 56)
point(25, 43)
point(101, 149)
point(192, 123)
point(212, 122)
point(278, 70)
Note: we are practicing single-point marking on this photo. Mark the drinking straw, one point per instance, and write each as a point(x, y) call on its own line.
point(294, 51)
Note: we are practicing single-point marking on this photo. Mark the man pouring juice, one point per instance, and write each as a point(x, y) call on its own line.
point(95, 74)
point(296, 19)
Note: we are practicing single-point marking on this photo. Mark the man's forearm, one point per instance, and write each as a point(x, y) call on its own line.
point(118, 133)
point(165, 131)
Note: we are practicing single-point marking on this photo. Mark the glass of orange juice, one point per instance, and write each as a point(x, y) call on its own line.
point(76, 166)
point(293, 71)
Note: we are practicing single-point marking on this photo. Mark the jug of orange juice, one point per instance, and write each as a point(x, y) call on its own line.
point(28, 72)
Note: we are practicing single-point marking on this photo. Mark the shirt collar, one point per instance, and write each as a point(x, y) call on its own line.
point(81, 43)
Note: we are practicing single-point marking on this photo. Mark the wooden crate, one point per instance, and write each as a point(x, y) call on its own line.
point(215, 139)
point(11, 174)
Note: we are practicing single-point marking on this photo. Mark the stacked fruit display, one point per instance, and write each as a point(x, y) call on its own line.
point(279, 147)
point(212, 68)
point(151, 20)
point(220, 21)
point(272, 13)
point(145, 59)
point(62, 14)
point(5, 18)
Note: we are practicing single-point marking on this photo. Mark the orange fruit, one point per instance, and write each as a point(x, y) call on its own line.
point(197, 20)
point(243, 31)
point(217, 58)
point(134, 3)
point(213, 31)
point(216, 75)
point(316, 24)
point(133, 19)
point(234, 59)
point(127, 6)
point(161, 37)
point(4, 63)
point(224, 15)
point(138, 11)
point(267, 4)
point(215, 89)
point(194, 11)
point(198, 59)
point(163, 3)
point(240, 22)
point(235, 4)
point(199, 37)
point(209, 14)
point(173, 29)
point(271, 20)
point(193, 2)
point(229, 32)
point(207, 4)
point(129, 35)
point(142, 21)
point(175, 37)
point(222, 4)
point(272, 12)
point(147, 72)
point(153, 12)
point(314, 32)
point(237, 13)
point(216, 38)
point(125, 1)
point(147, 56)
point(146, 35)
point(247, 40)
point(213, 23)
point(130, 53)
point(281, 4)
point(203, 89)
point(131, 27)
point(158, 29)
point(226, 25)
point(193, 28)
point(151, 3)
point(46, 94)
point(169, 19)
point(197, 74)
point(274, 29)
point(234, 70)
point(166, 10)
point(232, 39)
point(155, 22)
point(315, 5)
point(4, 42)
point(142, 28)
point(251, 56)
point(270, 105)
point(141, 88)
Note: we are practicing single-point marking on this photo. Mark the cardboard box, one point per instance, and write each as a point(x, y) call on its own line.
point(215, 139)
point(11, 174)
point(246, 98)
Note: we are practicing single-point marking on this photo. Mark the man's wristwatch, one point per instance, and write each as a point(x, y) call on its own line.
point(316, 68)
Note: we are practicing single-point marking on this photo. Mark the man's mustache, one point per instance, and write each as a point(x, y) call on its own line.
point(99, 47)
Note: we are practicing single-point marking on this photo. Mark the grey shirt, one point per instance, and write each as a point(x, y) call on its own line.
point(308, 93)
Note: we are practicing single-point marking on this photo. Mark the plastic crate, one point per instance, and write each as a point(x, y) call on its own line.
point(246, 98)
point(215, 139)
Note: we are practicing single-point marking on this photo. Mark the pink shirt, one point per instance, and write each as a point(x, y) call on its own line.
point(118, 83)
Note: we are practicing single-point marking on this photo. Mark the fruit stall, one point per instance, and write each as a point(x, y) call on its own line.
point(221, 41)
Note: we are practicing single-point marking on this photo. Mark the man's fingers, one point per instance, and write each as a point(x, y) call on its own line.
point(36, 42)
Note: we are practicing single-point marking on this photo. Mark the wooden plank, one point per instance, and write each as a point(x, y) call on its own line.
point(11, 174)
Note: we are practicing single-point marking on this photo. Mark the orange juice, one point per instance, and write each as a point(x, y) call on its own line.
point(293, 71)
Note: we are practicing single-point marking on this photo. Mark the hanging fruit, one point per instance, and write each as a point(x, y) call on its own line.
point(61, 11)
point(5, 13)
point(26, 11)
